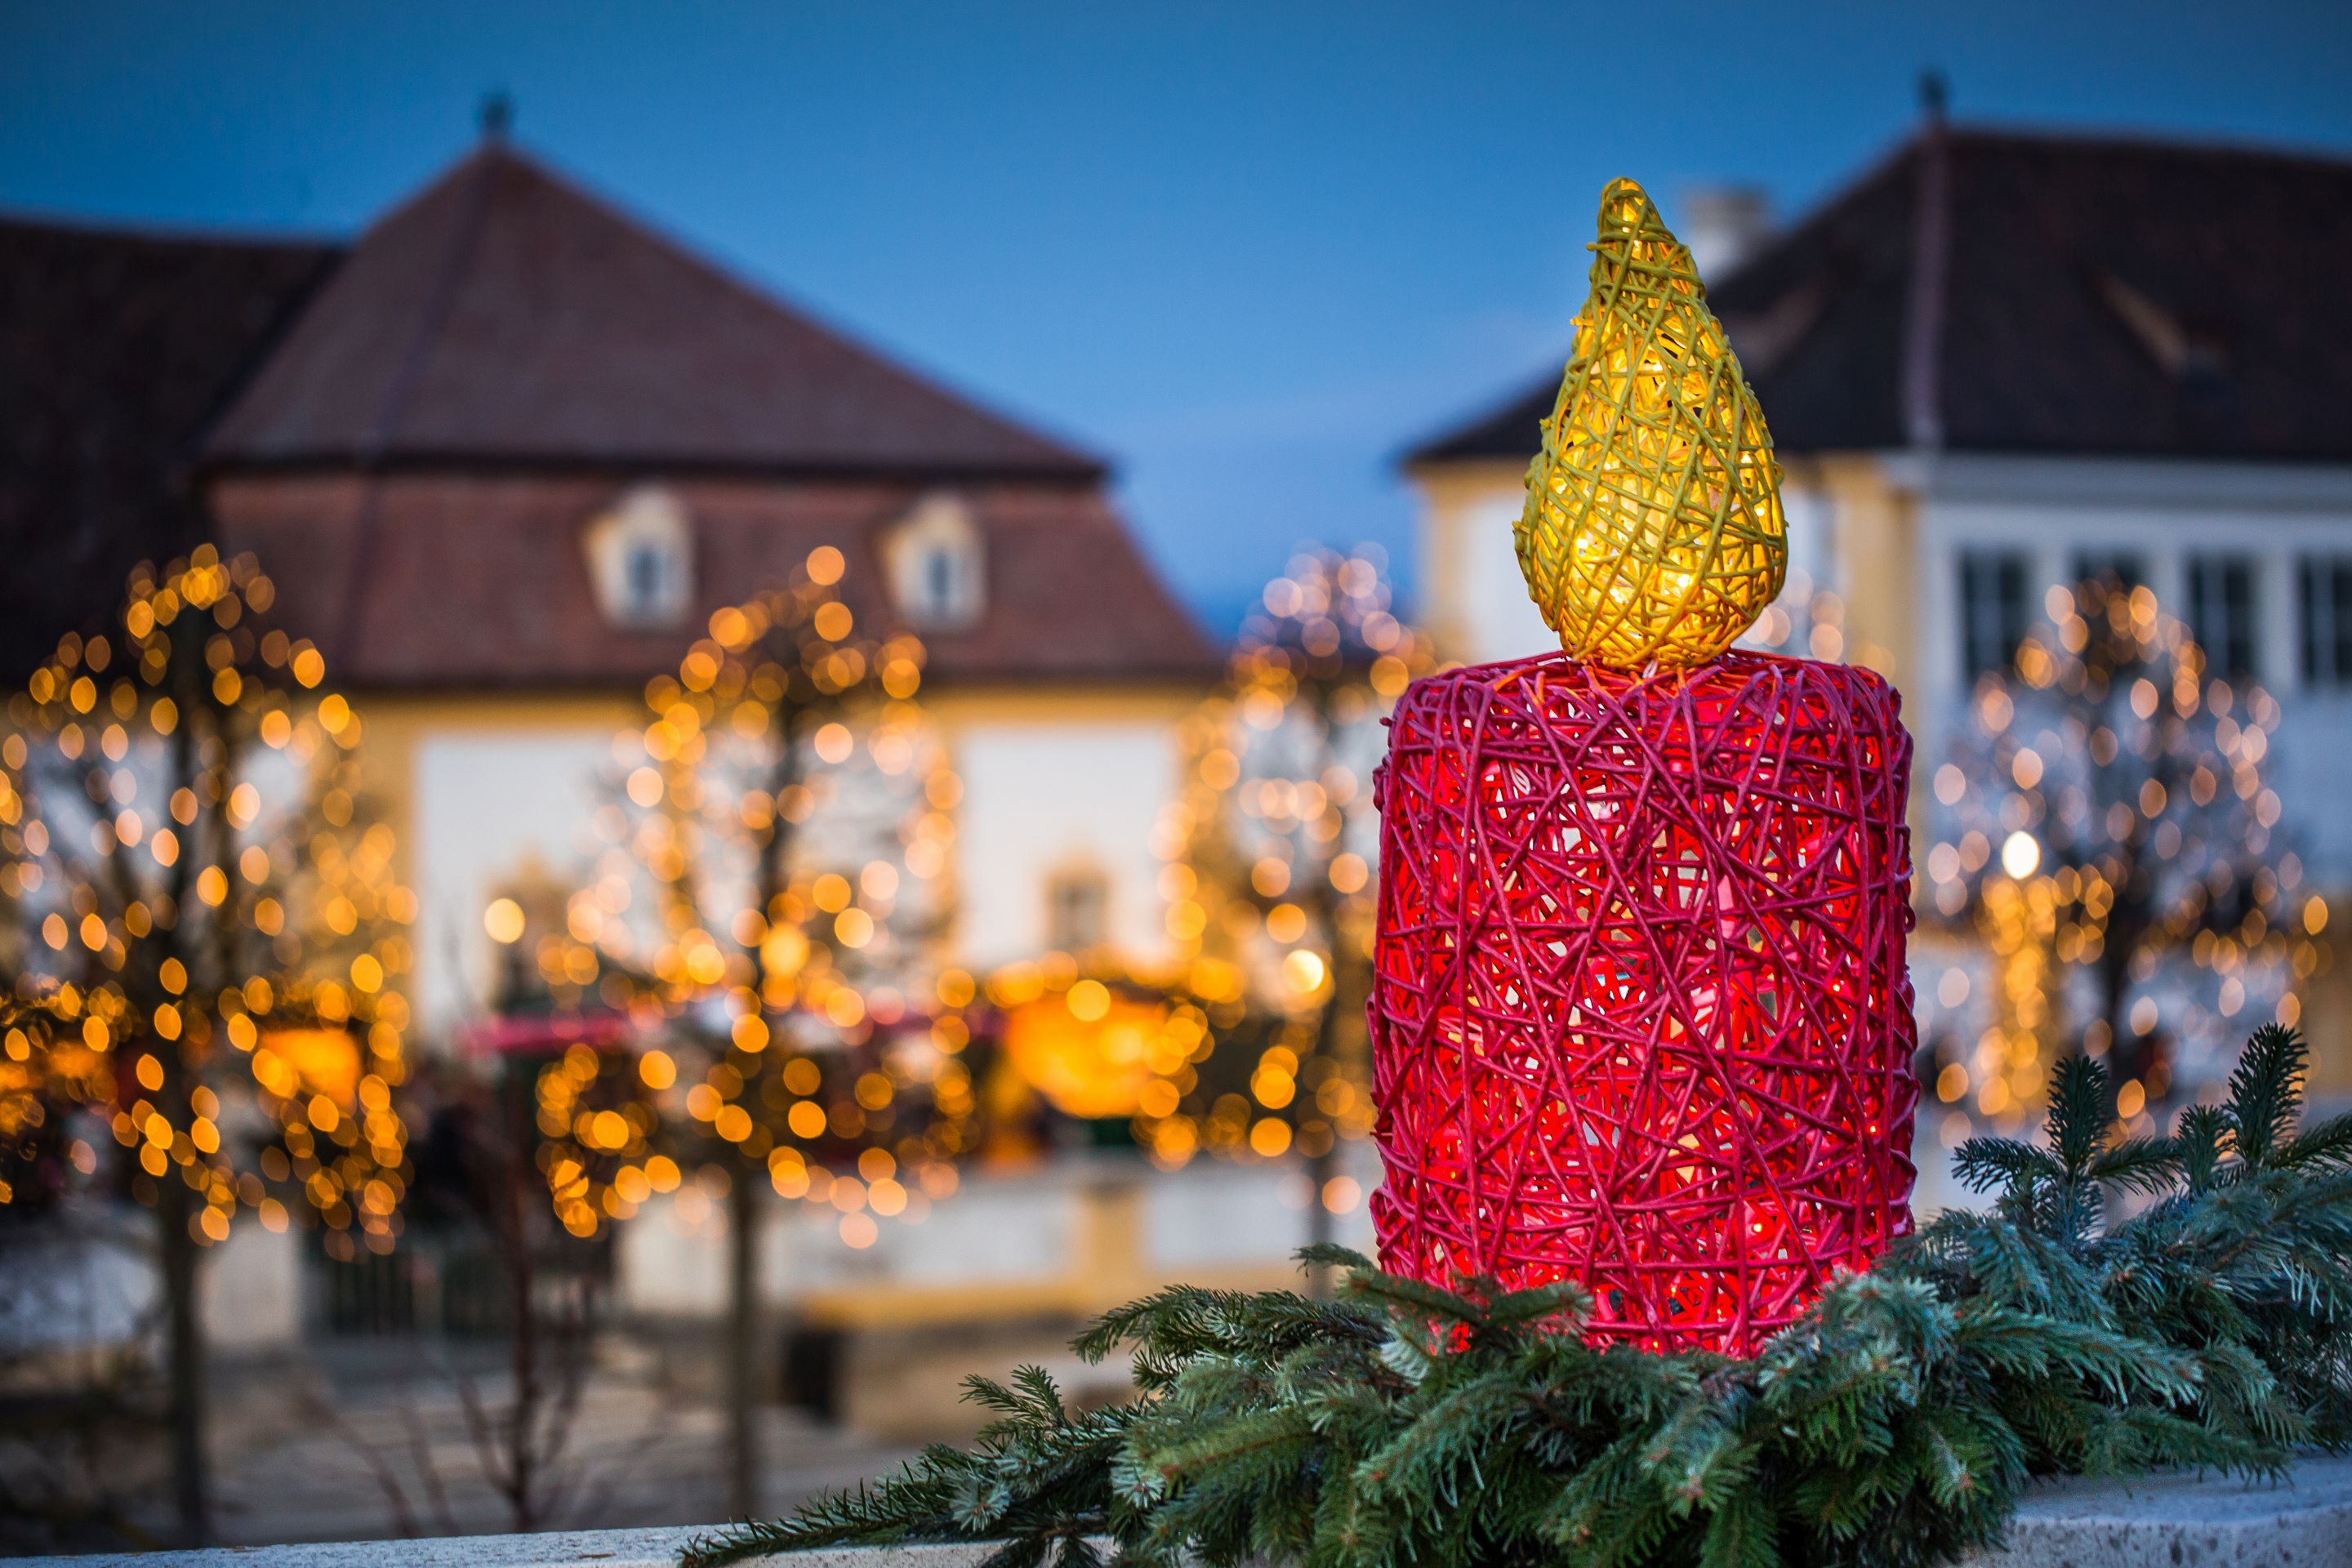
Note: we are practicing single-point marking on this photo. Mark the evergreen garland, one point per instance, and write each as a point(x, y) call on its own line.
point(1895, 1424)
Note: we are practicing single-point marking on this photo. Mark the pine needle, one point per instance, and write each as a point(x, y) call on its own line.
point(1892, 1427)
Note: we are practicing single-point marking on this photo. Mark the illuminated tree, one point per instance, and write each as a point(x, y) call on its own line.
point(1271, 851)
point(207, 919)
point(43, 1083)
point(778, 897)
point(2102, 826)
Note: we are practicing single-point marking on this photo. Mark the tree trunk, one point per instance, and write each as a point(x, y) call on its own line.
point(185, 1357)
point(1324, 1165)
point(522, 1349)
point(746, 1367)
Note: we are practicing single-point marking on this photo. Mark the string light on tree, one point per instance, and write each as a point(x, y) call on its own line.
point(776, 898)
point(205, 914)
point(1269, 853)
point(185, 843)
point(2104, 824)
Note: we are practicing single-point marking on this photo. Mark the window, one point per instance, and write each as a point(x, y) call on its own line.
point(648, 580)
point(943, 580)
point(937, 572)
point(1078, 909)
point(2326, 590)
point(2221, 613)
point(640, 560)
point(1994, 614)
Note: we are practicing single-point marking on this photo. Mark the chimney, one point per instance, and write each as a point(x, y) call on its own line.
point(1723, 225)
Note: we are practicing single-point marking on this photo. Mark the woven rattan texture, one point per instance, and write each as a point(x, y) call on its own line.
point(1641, 1018)
point(1652, 529)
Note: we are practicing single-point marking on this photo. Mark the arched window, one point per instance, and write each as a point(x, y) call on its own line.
point(1077, 908)
point(641, 560)
point(937, 574)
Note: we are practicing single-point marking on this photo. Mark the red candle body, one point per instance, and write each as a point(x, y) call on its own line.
point(1641, 1018)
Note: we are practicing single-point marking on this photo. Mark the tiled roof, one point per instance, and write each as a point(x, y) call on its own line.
point(504, 317)
point(2097, 296)
point(116, 349)
point(480, 581)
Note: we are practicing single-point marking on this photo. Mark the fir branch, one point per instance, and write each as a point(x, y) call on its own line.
point(2264, 1096)
point(1892, 1427)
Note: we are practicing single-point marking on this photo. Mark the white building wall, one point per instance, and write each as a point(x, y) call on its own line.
point(1497, 620)
point(1044, 795)
point(1041, 794)
point(488, 804)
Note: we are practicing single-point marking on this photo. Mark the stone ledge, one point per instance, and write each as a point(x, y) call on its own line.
point(2158, 1521)
point(2186, 1522)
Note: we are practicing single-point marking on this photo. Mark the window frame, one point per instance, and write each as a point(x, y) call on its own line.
point(2324, 620)
point(2225, 585)
point(2005, 571)
point(936, 554)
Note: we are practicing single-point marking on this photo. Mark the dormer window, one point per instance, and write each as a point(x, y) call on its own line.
point(641, 560)
point(937, 573)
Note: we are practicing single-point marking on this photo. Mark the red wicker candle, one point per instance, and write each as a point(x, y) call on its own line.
point(1641, 1018)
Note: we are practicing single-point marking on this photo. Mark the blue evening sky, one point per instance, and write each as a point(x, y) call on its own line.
point(1248, 251)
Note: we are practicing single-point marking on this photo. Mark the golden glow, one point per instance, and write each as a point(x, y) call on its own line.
point(1652, 530)
point(325, 1062)
point(1089, 1067)
point(1089, 1001)
point(503, 919)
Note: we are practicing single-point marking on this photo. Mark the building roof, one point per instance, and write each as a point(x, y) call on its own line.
point(482, 582)
point(2079, 297)
point(414, 434)
point(503, 317)
point(116, 349)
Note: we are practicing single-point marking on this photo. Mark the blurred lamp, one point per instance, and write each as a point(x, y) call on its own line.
point(2020, 855)
point(1092, 1059)
point(325, 1061)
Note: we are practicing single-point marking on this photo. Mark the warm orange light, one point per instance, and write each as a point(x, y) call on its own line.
point(504, 920)
point(1092, 1066)
point(325, 1061)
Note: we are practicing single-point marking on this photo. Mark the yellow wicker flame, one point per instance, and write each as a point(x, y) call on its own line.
point(1653, 532)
